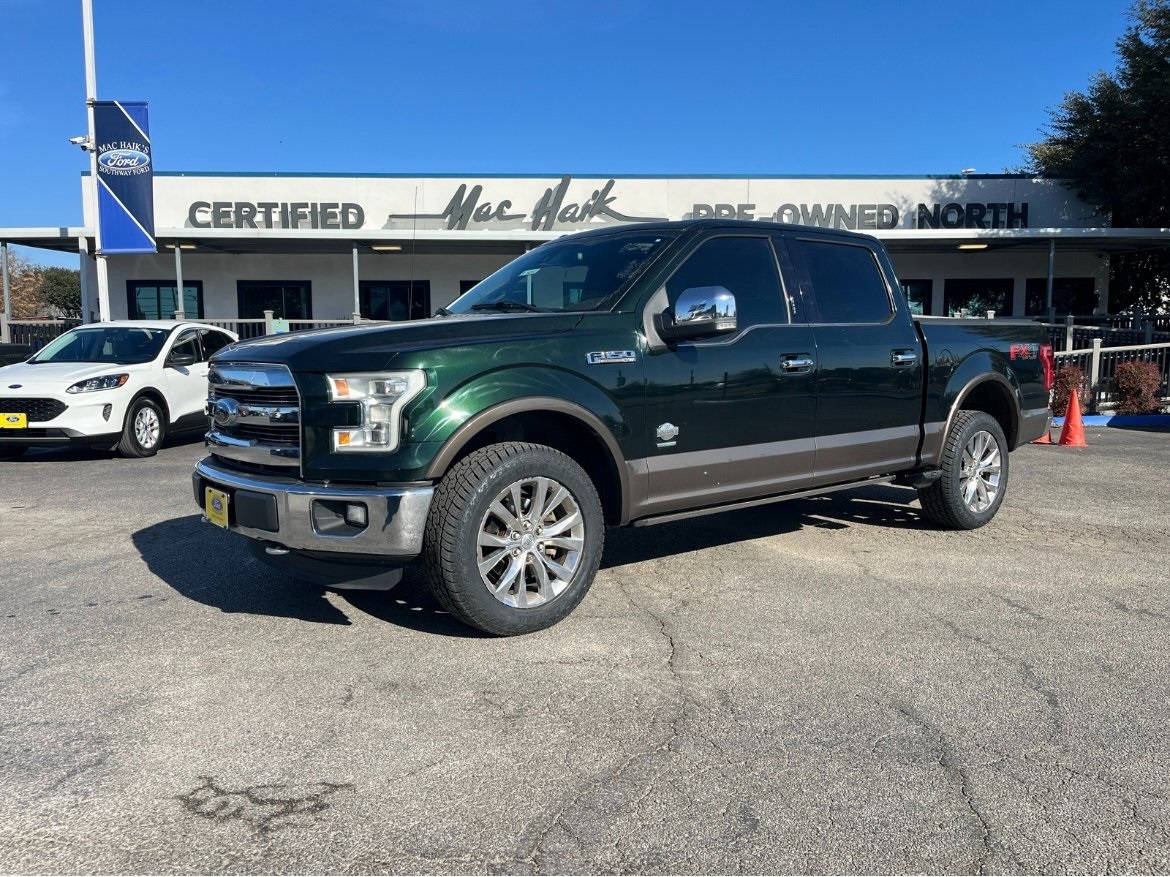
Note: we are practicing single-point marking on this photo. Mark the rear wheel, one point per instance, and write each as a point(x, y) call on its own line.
point(974, 474)
point(514, 538)
point(144, 429)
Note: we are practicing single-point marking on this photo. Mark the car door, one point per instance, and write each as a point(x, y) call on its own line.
point(733, 415)
point(186, 382)
point(869, 382)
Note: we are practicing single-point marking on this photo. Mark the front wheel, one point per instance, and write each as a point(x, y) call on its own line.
point(144, 429)
point(974, 474)
point(514, 538)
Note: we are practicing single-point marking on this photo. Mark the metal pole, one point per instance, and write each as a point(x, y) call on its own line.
point(180, 313)
point(103, 277)
point(357, 301)
point(7, 292)
point(1051, 270)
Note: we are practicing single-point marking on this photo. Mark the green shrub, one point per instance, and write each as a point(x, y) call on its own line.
point(1136, 385)
point(1068, 378)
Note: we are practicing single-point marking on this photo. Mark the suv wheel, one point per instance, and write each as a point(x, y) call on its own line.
point(974, 474)
point(144, 429)
point(514, 538)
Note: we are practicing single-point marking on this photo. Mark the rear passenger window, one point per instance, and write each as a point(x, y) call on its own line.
point(745, 267)
point(213, 341)
point(847, 283)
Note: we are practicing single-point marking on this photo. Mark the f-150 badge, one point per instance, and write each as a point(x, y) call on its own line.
point(605, 357)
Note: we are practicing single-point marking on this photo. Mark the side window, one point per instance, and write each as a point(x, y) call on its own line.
point(847, 283)
point(213, 341)
point(188, 343)
point(745, 267)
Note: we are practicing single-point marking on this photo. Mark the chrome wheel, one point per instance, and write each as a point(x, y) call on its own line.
point(979, 475)
point(146, 427)
point(530, 542)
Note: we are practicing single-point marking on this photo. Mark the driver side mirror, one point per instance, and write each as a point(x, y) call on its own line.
point(176, 360)
point(701, 312)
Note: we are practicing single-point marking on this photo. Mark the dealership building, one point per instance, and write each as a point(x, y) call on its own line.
point(390, 247)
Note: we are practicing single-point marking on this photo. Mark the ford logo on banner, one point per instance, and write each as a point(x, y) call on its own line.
point(124, 159)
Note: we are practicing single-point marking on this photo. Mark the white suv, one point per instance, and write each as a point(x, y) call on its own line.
point(121, 384)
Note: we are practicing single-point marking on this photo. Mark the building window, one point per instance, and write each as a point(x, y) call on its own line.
point(978, 296)
point(465, 285)
point(918, 295)
point(287, 299)
point(395, 299)
point(155, 299)
point(1070, 295)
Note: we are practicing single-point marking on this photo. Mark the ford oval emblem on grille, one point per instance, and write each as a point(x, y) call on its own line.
point(226, 412)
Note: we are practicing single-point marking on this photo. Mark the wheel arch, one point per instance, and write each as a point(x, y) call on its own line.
point(557, 423)
point(994, 395)
point(154, 395)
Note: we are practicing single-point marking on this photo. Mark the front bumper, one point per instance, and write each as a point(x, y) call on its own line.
point(311, 517)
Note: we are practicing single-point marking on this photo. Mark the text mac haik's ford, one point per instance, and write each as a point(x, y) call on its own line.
point(621, 376)
point(121, 384)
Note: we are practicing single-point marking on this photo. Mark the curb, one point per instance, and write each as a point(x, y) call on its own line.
point(1120, 420)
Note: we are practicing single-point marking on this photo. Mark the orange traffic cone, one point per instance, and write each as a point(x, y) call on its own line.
point(1044, 439)
point(1072, 434)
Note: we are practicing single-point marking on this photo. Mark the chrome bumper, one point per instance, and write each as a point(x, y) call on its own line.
point(396, 516)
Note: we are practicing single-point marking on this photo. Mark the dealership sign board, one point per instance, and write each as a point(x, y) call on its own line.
point(125, 177)
point(535, 204)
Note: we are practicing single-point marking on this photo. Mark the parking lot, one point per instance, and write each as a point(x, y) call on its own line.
point(822, 686)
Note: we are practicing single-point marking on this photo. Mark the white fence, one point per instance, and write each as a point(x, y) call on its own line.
point(1099, 364)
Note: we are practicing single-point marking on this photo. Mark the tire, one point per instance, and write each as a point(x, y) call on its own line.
point(489, 565)
point(144, 429)
point(974, 474)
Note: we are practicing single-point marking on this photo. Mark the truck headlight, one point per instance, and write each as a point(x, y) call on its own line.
point(382, 397)
point(105, 382)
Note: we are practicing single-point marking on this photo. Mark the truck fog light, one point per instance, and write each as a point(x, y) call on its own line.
point(106, 409)
point(355, 513)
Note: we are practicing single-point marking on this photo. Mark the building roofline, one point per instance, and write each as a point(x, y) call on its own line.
point(589, 176)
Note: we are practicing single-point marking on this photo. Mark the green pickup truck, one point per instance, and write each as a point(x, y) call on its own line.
point(630, 375)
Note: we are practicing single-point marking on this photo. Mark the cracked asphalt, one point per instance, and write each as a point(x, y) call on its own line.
point(824, 686)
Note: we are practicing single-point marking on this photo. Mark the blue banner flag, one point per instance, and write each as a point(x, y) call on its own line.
point(125, 177)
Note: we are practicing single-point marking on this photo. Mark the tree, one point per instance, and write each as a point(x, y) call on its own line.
point(60, 290)
point(24, 282)
point(1113, 144)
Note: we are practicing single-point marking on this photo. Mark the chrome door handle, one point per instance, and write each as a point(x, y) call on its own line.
point(903, 357)
point(798, 362)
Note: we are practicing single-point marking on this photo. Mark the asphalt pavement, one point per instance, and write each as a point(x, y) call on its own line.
point(828, 686)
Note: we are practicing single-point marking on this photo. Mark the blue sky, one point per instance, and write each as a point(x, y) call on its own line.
point(763, 88)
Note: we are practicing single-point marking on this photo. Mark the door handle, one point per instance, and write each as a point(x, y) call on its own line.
point(796, 362)
point(903, 357)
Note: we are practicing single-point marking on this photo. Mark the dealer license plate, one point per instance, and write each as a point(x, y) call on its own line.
point(215, 506)
point(12, 420)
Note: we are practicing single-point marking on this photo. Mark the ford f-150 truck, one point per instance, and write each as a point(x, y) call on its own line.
point(628, 375)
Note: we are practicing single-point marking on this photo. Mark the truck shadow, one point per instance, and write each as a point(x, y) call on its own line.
point(217, 569)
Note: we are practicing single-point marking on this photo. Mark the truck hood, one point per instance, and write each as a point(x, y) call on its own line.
point(372, 346)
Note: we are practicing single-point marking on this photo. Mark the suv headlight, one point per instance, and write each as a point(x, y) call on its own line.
point(382, 397)
point(105, 382)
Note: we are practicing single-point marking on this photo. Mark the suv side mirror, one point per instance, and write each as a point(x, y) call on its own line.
point(701, 312)
point(176, 360)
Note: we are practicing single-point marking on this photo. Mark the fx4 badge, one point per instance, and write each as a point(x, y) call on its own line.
point(605, 357)
point(1024, 351)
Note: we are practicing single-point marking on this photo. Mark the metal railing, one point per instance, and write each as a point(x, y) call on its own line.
point(1073, 334)
point(35, 333)
point(38, 333)
point(1099, 363)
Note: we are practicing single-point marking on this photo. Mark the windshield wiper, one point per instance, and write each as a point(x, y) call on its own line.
point(505, 305)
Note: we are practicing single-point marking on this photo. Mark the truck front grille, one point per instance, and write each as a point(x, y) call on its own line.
point(255, 413)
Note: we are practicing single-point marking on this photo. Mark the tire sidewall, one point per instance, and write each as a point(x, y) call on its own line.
point(532, 462)
point(952, 475)
point(130, 443)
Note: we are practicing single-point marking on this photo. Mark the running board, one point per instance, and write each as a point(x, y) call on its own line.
point(752, 503)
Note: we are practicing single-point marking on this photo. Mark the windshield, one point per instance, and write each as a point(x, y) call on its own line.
point(115, 344)
point(566, 275)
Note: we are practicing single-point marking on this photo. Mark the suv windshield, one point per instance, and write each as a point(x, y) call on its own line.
point(116, 344)
point(566, 275)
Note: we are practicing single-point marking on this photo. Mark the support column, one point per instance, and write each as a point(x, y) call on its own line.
point(4, 335)
point(357, 299)
point(1051, 311)
point(180, 313)
point(103, 275)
